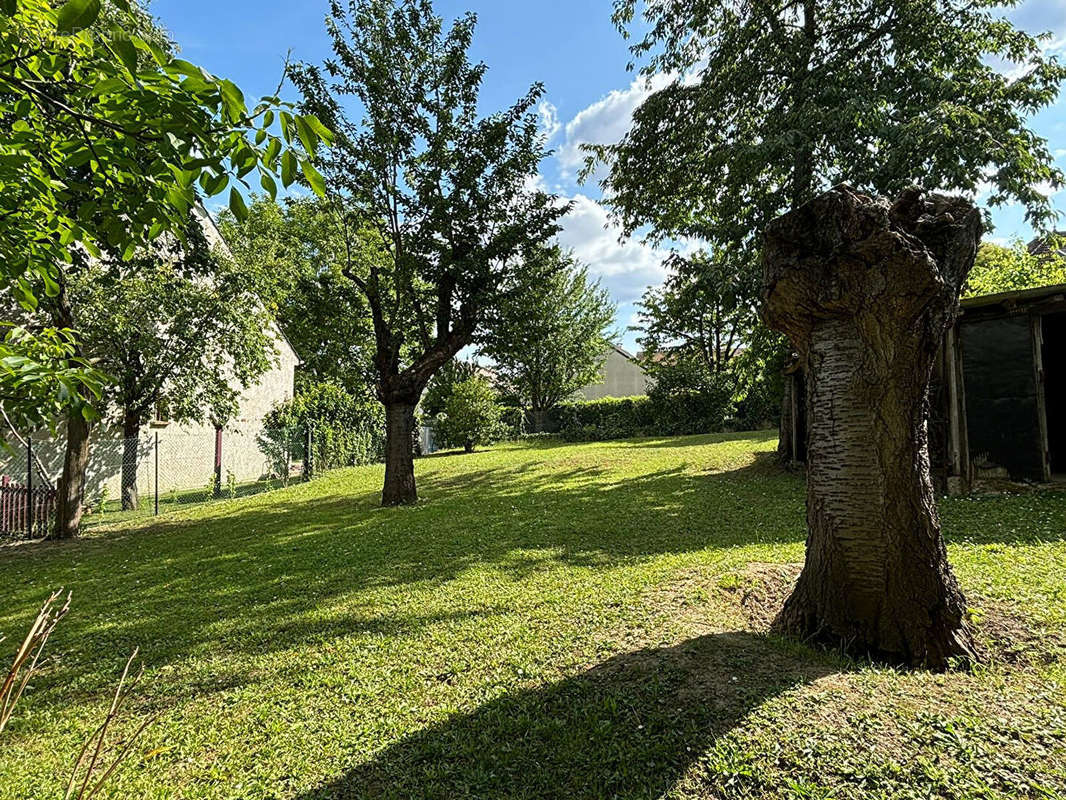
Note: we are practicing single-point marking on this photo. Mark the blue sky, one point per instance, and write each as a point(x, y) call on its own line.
point(568, 45)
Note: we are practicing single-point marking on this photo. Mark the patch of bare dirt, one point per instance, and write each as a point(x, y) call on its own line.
point(761, 590)
point(1005, 635)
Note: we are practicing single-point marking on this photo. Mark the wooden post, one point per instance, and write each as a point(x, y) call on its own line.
point(31, 516)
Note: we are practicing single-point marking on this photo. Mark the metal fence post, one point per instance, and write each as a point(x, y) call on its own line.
point(218, 461)
point(157, 473)
point(31, 515)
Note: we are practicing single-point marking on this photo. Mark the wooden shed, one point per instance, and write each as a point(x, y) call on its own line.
point(998, 395)
point(1002, 389)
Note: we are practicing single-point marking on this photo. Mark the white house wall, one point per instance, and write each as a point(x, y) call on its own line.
point(620, 377)
point(186, 451)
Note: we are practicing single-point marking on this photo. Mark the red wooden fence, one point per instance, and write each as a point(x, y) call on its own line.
point(15, 507)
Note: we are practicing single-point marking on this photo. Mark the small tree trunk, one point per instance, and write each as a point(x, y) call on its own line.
point(71, 488)
point(865, 290)
point(131, 433)
point(468, 446)
point(538, 419)
point(399, 452)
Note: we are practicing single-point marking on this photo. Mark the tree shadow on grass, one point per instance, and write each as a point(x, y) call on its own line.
point(630, 727)
point(271, 573)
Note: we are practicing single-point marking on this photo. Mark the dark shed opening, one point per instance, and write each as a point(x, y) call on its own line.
point(1054, 362)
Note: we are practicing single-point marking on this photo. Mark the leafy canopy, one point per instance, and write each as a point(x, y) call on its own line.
point(693, 326)
point(448, 189)
point(769, 102)
point(551, 337)
point(109, 139)
point(184, 327)
point(1005, 269)
point(324, 316)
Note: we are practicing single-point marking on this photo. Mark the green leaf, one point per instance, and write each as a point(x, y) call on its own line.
point(126, 50)
point(273, 150)
point(314, 178)
point(307, 136)
point(289, 165)
point(214, 184)
point(286, 125)
point(76, 15)
point(324, 133)
point(237, 205)
point(269, 185)
point(8, 6)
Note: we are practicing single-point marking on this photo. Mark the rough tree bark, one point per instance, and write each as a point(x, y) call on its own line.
point(865, 289)
point(71, 486)
point(399, 486)
point(131, 433)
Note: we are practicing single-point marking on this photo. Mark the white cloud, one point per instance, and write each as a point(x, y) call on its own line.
point(1038, 16)
point(549, 120)
point(627, 267)
point(605, 121)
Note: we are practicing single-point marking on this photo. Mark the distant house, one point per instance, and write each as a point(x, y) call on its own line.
point(621, 376)
point(186, 452)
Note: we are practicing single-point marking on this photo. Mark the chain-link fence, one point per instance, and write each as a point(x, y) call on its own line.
point(155, 473)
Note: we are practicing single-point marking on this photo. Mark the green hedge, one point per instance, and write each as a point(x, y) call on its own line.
point(676, 414)
point(347, 430)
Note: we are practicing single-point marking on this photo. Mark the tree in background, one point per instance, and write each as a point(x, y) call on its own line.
point(1006, 269)
point(448, 189)
point(551, 337)
point(471, 417)
point(695, 324)
point(183, 327)
point(108, 139)
point(773, 101)
point(323, 314)
point(443, 383)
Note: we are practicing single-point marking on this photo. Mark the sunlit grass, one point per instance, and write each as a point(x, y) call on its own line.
point(550, 621)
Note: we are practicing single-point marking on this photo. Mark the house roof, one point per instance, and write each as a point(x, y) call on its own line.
point(1041, 245)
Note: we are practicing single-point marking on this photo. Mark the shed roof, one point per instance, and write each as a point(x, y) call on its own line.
point(1015, 297)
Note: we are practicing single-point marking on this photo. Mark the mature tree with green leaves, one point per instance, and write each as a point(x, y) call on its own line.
point(108, 141)
point(693, 326)
point(184, 328)
point(472, 415)
point(448, 189)
point(551, 337)
point(1000, 268)
point(324, 316)
point(774, 101)
point(443, 383)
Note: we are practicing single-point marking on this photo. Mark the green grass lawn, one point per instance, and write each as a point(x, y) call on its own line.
point(572, 621)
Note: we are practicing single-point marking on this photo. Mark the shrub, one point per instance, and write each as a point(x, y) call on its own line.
point(348, 430)
point(676, 414)
point(514, 422)
point(472, 416)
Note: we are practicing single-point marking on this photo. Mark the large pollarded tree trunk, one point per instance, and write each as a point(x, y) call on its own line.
point(865, 289)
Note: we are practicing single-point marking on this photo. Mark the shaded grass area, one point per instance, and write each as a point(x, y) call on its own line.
point(550, 621)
